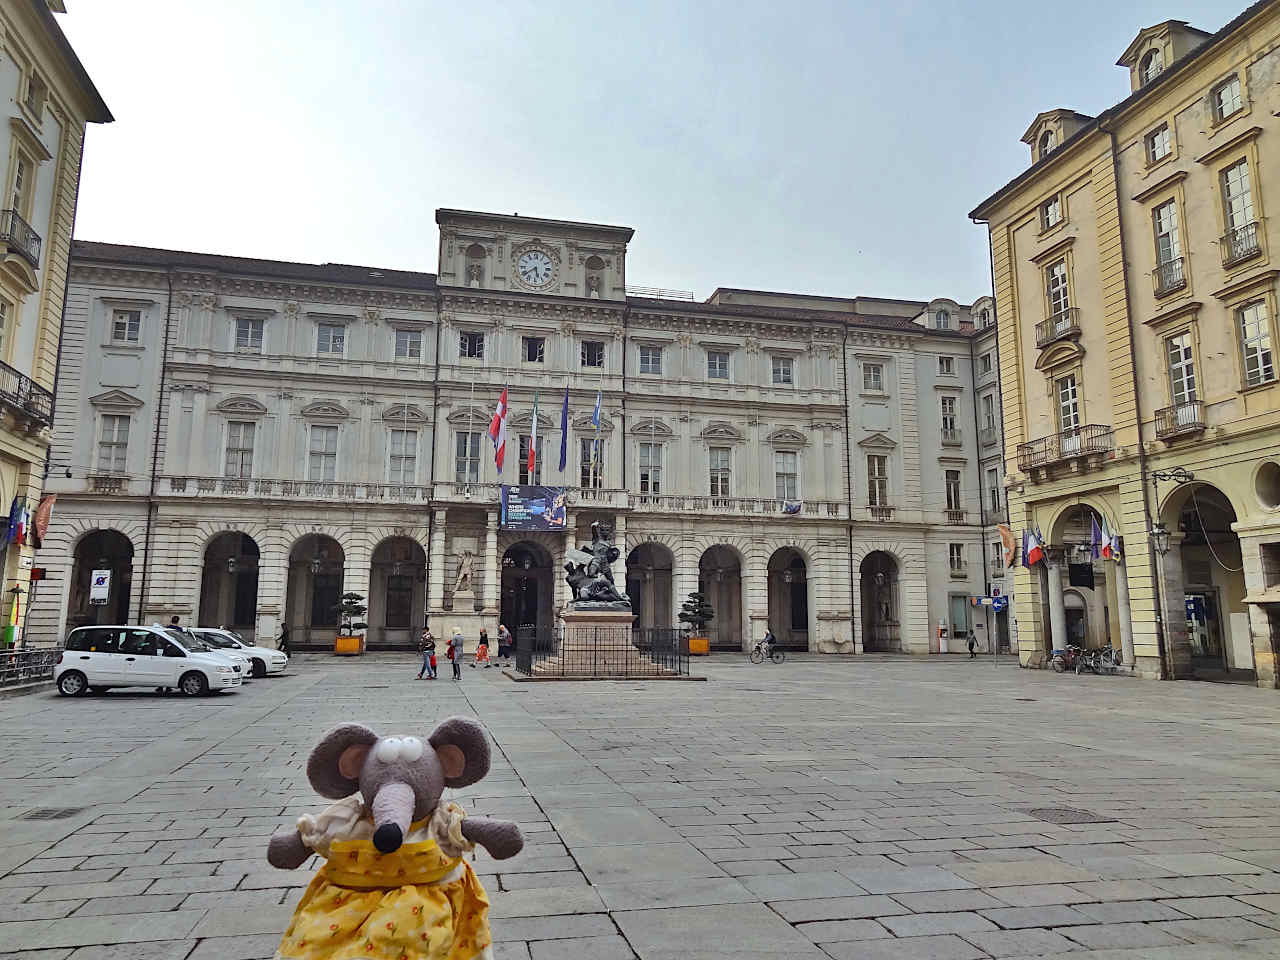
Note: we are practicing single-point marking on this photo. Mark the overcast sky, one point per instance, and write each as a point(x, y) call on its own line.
point(820, 147)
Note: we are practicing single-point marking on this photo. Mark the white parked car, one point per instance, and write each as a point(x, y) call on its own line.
point(236, 656)
point(96, 659)
point(262, 660)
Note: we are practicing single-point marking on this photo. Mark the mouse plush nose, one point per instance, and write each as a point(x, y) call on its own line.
point(392, 810)
point(388, 838)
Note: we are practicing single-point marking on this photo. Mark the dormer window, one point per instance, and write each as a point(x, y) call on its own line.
point(1151, 66)
point(942, 320)
point(1048, 140)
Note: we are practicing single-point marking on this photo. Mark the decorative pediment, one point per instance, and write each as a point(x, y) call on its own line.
point(241, 404)
point(116, 400)
point(719, 430)
point(652, 428)
point(325, 410)
point(476, 417)
point(877, 441)
point(788, 437)
point(404, 413)
point(582, 424)
point(1059, 354)
point(524, 420)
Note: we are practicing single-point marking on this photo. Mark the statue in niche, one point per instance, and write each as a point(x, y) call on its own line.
point(589, 573)
point(473, 274)
point(593, 285)
point(466, 571)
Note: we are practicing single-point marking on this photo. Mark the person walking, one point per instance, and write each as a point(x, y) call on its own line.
point(455, 653)
point(973, 646)
point(504, 643)
point(482, 649)
point(425, 648)
point(282, 643)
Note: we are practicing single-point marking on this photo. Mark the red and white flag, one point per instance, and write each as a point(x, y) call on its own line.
point(1035, 548)
point(498, 430)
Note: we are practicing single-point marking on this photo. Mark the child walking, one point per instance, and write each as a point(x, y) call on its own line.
point(455, 653)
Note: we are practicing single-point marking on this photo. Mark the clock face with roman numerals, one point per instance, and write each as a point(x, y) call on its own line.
point(535, 268)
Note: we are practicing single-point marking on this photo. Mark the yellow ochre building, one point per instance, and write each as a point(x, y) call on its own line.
point(1135, 272)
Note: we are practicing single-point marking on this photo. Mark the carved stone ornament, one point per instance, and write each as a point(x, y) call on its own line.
point(292, 308)
point(589, 573)
point(752, 345)
point(685, 340)
point(209, 301)
point(183, 298)
point(372, 315)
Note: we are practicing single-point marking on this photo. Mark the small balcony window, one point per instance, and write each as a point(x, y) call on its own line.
point(1151, 66)
point(471, 345)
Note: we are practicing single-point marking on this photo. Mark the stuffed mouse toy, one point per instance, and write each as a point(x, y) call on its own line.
point(395, 885)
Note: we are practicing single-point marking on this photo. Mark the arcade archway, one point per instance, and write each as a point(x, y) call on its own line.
point(528, 588)
point(649, 569)
point(397, 592)
point(229, 584)
point(881, 616)
point(720, 580)
point(314, 590)
point(789, 598)
point(108, 550)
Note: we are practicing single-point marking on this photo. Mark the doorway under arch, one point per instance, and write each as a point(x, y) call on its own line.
point(107, 550)
point(720, 581)
point(649, 569)
point(1089, 603)
point(229, 584)
point(789, 598)
point(397, 593)
point(528, 588)
point(881, 613)
point(314, 590)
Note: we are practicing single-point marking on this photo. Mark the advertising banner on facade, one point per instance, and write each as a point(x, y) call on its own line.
point(533, 508)
point(100, 587)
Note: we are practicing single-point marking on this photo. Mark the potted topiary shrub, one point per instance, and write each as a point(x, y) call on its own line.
point(350, 641)
point(696, 613)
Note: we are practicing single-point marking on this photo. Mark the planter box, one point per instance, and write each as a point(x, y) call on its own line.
point(699, 646)
point(348, 646)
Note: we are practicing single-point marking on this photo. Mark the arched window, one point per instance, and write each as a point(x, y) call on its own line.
point(595, 276)
point(942, 320)
point(1150, 66)
point(1047, 142)
point(475, 265)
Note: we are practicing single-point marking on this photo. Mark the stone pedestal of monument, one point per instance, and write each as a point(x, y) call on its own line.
point(597, 644)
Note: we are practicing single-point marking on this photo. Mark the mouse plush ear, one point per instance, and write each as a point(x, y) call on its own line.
point(335, 764)
point(463, 749)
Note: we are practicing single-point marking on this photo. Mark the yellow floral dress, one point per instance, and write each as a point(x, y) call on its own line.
point(422, 902)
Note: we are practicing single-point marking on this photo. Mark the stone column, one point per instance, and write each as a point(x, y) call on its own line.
point(1124, 613)
point(273, 579)
point(1057, 607)
point(755, 596)
point(684, 581)
point(492, 564)
point(1260, 626)
point(1173, 598)
point(435, 572)
point(620, 541)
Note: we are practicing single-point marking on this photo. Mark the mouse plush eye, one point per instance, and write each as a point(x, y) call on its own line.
point(388, 750)
point(411, 749)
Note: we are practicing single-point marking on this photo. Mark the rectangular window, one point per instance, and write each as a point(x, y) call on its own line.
point(240, 448)
point(1165, 221)
point(1158, 143)
point(782, 370)
point(404, 457)
point(408, 344)
point(873, 377)
point(1255, 341)
point(650, 460)
point(720, 471)
point(997, 556)
point(4, 323)
point(948, 415)
point(534, 349)
point(592, 353)
point(114, 445)
point(471, 345)
point(1226, 98)
point(525, 476)
point(21, 187)
point(989, 411)
point(1068, 403)
point(878, 480)
point(1051, 213)
point(592, 462)
point(1237, 195)
point(322, 464)
point(1182, 369)
point(986, 363)
point(249, 334)
point(955, 554)
point(993, 489)
point(331, 339)
point(952, 481)
point(717, 365)
point(785, 476)
point(1055, 279)
point(650, 359)
point(36, 93)
point(467, 460)
point(125, 326)
point(947, 366)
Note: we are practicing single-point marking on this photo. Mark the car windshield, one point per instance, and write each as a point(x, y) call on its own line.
point(189, 640)
point(217, 640)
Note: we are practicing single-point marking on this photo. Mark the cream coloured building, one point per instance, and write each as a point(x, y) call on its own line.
point(49, 99)
point(279, 433)
point(1133, 276)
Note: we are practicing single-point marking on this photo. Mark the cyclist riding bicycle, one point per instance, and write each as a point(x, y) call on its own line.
point(768, 642)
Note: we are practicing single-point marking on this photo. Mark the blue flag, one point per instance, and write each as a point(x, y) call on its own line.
point(564, 431)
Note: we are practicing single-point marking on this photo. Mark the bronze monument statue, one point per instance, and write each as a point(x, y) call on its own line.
point(589, 572)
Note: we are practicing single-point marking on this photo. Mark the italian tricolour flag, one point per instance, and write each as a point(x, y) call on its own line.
point(498, 430)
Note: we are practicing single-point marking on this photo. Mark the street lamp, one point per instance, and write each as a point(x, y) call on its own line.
point(231, 564)
point(315, 565)
point(1160, 537)
point(1160, 542)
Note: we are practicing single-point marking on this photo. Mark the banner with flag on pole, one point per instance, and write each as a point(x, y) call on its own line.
point(1006, 539)
point(498, 431)
point(532, 465)
point(564, 430)
point(1032, 548)
point(595, 443)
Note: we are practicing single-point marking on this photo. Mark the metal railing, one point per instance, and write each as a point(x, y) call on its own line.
point(988, 436)
point(751, 506)
point(1078, 442)
point(1169, 276)
point(20, 236)
point(27, 666)
point(960, 569)
point(1240, 243)
point(955, 517)
point(879, 511)
point(582, 651)
point(952, 436)
point(24, 395)
point(659, 293)
point(1064, 323)
point(1186, 417)
point(107, 483)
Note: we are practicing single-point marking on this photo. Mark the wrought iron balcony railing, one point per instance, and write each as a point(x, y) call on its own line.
point(24, 395)
point(1169, 276)
point(959, 570)
point(1064, 323)
point(952, 436)
point(1185, 417)
point(879, 512)
point(1240, 244)
point(988, 436)
point(1083, 441)
point(20, 236)
point(955, 517)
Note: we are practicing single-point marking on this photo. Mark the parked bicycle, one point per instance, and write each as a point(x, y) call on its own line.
point(768, 647)
point(1104, 660)
point(1064, 660)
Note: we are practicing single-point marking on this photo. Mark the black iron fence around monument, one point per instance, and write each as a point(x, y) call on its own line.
point(582, 651)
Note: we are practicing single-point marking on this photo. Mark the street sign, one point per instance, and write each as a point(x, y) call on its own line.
point(995, 591)
point(100, 587)
point(37, 574)
point(999, 604)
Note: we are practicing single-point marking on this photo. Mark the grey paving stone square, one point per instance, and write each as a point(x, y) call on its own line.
point(1021, 943)
point(948, 947)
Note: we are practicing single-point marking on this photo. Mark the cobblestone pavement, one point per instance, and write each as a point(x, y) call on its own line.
point(872, 808)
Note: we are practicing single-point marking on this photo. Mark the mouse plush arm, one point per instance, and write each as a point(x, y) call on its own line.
point(287, 851)
point(500, 838)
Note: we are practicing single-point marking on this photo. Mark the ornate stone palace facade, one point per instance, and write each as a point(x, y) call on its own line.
point(241, 441)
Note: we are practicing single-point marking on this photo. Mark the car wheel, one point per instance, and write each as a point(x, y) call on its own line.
point(73, 683)
point(193, 684)
point(259, 669)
